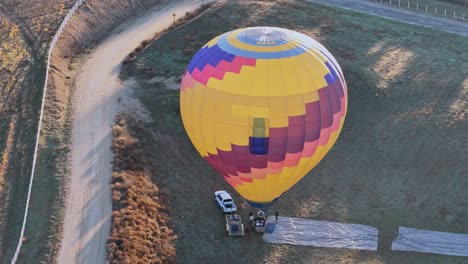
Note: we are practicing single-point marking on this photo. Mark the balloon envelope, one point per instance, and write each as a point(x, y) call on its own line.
point(263, 106)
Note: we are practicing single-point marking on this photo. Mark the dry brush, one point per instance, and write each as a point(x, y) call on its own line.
point(140, 230)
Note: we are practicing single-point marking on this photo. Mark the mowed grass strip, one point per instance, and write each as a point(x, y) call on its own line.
point(400, 159)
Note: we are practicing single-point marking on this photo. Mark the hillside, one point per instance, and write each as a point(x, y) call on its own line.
point(22, 71)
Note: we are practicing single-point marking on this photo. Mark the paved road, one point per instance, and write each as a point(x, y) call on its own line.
point(89, 207)
point(400, 14)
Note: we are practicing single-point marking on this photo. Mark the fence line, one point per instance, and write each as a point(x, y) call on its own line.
point(457, 15)
point(52, 46)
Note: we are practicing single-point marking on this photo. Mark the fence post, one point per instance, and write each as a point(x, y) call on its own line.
point(426, 8)
point(435, 12)
point(399, 2)
point(390, 2)
point(417, 6)
point(408, 4)
point(454, 14)
point(445, 13)
point(463, 16)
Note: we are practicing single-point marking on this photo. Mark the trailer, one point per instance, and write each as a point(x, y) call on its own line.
point(234, 226)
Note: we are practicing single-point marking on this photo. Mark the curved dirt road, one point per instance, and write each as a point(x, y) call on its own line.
point(88, 209)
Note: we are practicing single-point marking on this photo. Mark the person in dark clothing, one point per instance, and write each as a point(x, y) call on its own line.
point(251, 219)
point(276, 215)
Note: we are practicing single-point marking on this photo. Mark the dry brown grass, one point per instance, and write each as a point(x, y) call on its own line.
point(391, 65)
point(6, 153)
point(458, 110)
point(13, 62)
point(12, 50)
point(416, 113)
point(140, 222)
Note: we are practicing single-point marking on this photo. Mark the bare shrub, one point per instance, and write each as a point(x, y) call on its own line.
point(140, 222)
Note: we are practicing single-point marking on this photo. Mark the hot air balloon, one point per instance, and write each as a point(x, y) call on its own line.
point(263, 105)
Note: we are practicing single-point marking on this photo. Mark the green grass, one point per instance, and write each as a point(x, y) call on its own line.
point(400, 160)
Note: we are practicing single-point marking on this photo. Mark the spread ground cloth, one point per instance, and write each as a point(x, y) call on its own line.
point(307, 232)
point(426, 241)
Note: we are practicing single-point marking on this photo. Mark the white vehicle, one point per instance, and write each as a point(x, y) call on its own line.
point(225, 201)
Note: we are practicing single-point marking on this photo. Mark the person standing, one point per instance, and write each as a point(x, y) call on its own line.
point(251, 219)
point(276, 215)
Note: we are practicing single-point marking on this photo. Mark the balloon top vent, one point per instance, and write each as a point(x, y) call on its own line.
point(263, 36)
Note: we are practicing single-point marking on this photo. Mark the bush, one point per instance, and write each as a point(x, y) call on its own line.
point(140, 230)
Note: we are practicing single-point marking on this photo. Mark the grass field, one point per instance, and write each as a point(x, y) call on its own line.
point(400, 159)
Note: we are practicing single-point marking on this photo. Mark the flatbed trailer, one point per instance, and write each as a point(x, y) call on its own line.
point(234, 226)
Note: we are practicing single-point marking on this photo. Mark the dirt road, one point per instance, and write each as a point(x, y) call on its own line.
point(406, 16)
point(88, 208)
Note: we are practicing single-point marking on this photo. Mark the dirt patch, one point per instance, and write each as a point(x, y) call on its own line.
point(458, 110)
point(376, 48)
point(424, 111)
point(130, 103)
point(172, 83)
point(391, 64)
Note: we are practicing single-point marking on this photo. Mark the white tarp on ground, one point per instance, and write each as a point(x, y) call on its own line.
point(427, 241)
point(306, 232)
